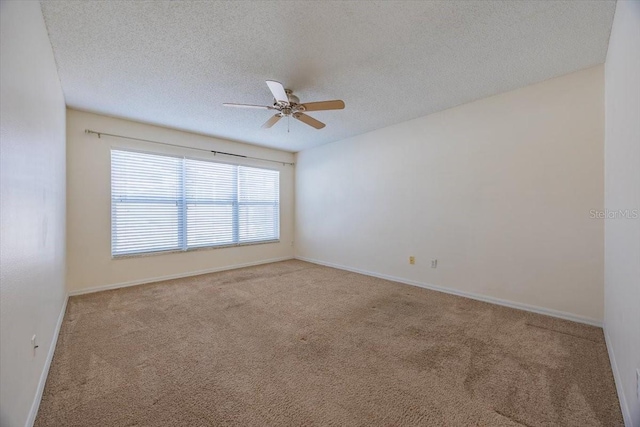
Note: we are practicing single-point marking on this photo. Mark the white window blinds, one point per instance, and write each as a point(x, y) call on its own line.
point(164, 203)
point(146, 208)
point(258, 204)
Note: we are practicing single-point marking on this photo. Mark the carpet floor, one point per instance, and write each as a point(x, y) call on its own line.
point(297, 344)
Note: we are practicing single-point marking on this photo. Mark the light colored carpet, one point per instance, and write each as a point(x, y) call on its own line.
point(293, 343)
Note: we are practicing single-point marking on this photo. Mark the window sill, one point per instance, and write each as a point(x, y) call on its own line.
point(204, 248)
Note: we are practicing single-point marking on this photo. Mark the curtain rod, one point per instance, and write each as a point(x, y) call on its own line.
point(89, 131)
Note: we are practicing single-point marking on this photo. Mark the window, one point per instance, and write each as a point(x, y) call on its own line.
point(164, 203)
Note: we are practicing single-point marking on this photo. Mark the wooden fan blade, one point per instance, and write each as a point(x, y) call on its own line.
point(309, 120)
point(272, 121)
point(336, 104)
point(278, 91)
point(260, 107)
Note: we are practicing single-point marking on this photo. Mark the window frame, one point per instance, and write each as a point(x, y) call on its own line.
point(184, 202)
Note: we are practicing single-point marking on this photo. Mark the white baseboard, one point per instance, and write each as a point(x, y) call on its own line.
point(45, 370)
point(479, 297)
point(626, 414)
point(174, 276)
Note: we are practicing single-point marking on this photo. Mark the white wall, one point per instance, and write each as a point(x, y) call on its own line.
point(622, 191)
point(498, 190)
point(89, 204)
point(32, 207)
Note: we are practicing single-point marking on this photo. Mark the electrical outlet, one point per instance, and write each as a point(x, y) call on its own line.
point(434, 263)
point(412, 260)
point(34, 344)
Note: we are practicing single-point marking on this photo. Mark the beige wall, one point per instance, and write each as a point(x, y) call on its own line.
point(32, 209)
point(622, 192)
point(89, 205)
point(498, 190)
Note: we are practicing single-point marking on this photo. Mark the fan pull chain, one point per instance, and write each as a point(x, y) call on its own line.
point(288, 119)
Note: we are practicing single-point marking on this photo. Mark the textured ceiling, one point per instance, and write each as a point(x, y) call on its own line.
point(175, 63)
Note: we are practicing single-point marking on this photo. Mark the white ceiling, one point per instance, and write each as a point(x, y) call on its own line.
point(174, 63)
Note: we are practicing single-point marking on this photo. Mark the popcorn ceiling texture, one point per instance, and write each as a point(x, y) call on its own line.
point(297, 344)
point(175, 63)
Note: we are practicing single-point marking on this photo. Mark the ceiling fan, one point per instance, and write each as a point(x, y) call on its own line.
point(288, 105)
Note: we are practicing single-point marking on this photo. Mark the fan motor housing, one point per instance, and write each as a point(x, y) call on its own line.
point(293, 107)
